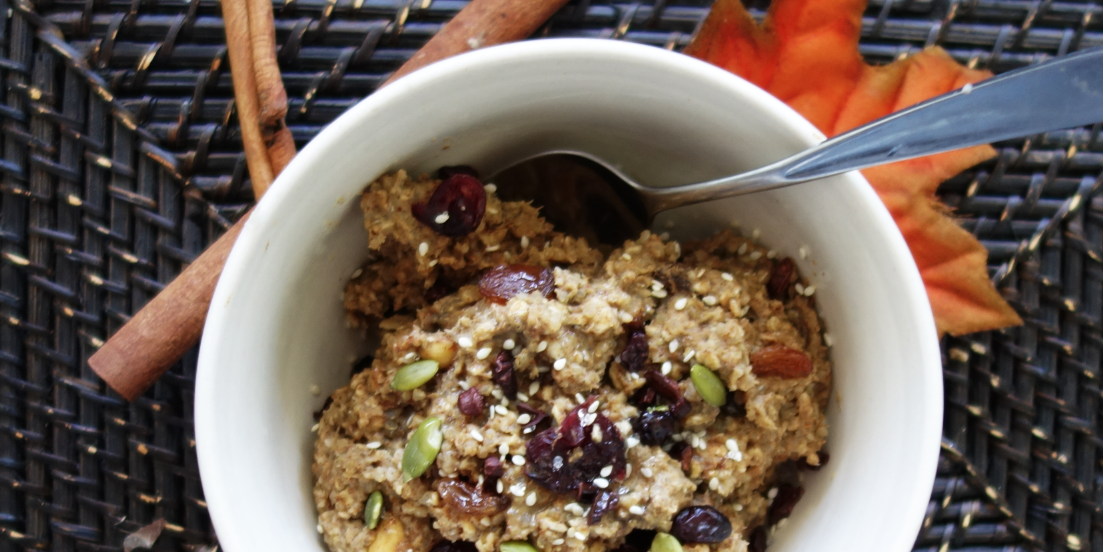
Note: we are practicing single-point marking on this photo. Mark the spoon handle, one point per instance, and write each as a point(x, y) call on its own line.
point(1061, 93)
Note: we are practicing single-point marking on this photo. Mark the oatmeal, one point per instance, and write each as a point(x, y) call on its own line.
point(532, 392)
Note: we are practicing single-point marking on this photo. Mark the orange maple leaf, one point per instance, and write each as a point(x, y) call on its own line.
point(806, 54)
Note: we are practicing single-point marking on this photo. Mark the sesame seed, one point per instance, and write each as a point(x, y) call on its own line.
point(483, 353)
point(503, 449)
point(803, 251)
point(579, 535)
point(558, 542)
point(689, 355)
point(578, 397)
point(501, 410)
point(827, 340)
point(560, 364)
point(742, 248)
point(808, 291)
point(524, 242)
point(490, 188)
point(542, 346)
point(674, 345)
point(433, 262)
point(601, 482)
point(771, 254)
point(522, 397)
point(496, 393)
point(625, 317)
point(319, 528)
point(709, 300)
point(772, 493)
point(573, 508)
point(655, 284)
point(694, 441)
point(636, 510)
point(799, 287)
point(631, 441)
point(607, 471)
point(714, 484)
point(315, 390)
point(646, 472)
point(667, 367)
point(735, 455)
point(530, 499)
point(593, 406)
point(680, 303)
point(476, 435)
point(524, 419)
point(501, 487)
point(756, 233)
point(755, 255)
point(423, 249)
point(738, 507)
point(627, 470)
point(480, 483)
point(509, 344)
point(493, 248)
point(356, 273)
point(518, 489)
point(528, 430)
point(314, 429)
point(727, 276)
point(465, 342)
point(441, 218)
point(518, 460)
point(626, 256)
point(374, 445)
point(588, 419)
point(596, 434)
point(658, 293)
point(731, 444)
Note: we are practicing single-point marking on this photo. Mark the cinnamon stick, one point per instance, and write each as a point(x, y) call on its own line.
point(159, 334)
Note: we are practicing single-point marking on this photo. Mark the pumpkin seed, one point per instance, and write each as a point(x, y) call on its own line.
point(708, 385)
point(414, 375)
point(422, 449)
point(373, 510)
point(665, 542)
point(516, 546)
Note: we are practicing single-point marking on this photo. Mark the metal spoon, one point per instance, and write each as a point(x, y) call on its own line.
point(586, 196)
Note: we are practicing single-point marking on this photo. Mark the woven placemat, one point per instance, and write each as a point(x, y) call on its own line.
point(122, 159)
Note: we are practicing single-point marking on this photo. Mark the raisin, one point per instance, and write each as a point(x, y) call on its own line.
point(604, 502)
point(635, 353)
point(462, 198)
point(778, 286)
point(469, 500)
point(450, 546)
point(471, 403)
point(782, 506)
point(700, 524)
point(502, 371)
point(803, 464)
point(757, 540)
point(501, 283)
point(683, 453)
point(736, 405)
point(654, 428)
point(548, 453)
point(444, 172)
point(780, 361)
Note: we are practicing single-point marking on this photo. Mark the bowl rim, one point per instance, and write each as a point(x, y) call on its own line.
point(280, 196)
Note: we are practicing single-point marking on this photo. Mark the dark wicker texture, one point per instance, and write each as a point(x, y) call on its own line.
point(96, 215)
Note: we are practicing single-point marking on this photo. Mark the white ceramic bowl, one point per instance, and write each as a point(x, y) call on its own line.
point(276, 328)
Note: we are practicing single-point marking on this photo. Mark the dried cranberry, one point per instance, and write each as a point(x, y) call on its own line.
point(757, 540)
point(604, 502)
point(501, 283)
point(462, 198)
point(536, 417)
point(670, 390)
point(471, 403)
point(683, 453)
point(645, 397)
point(803, 464)
point(492, 470)
point(635, 353)
point(469, 500)
point(502, 371)
point(787, 497)
point(736, 405)
point(548, 453)
point(700, 524)
point(450, 546)
point(778, 286)
point(444, 172)
point(654, 427)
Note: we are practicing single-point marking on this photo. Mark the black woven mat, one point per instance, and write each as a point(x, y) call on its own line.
point(120, 159)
